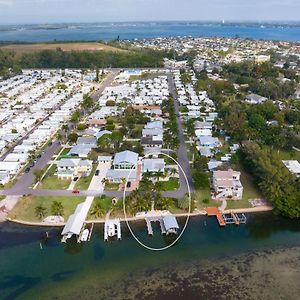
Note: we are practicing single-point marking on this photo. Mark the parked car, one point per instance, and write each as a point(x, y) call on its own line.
point(97, 172)
point(75, 179)
point(27, 170)
point(75, 191)
point(39, 156)
point(31, 165)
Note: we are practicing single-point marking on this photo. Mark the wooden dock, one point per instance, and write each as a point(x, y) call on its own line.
point(214, 211)
point(226, 219)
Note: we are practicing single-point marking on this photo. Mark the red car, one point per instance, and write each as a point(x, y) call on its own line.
point(75, 191)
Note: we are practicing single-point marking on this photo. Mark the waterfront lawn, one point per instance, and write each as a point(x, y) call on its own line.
point(170, 185)
point(51, 182)
point(106, 203)
point(251, 191)
point(111, 186)
point(84, 182)
point(25, 208)
point(203, 199)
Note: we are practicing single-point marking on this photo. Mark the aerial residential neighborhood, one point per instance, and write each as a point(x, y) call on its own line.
point(111, 149)
point(99, 133)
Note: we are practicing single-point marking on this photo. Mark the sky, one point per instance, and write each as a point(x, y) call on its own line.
point(57, 11)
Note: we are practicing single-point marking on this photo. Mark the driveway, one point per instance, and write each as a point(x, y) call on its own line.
point(96, 182)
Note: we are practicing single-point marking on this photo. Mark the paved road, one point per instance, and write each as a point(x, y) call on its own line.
point(26, 180)
point(21, 187)
point(107, 81)
point(182, 151)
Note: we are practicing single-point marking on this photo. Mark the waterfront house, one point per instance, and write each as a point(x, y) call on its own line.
point(227, 184)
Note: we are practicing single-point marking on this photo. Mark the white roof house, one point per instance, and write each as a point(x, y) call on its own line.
point(293, 166)
point(11, 167)
point(153, 165)
point(125, 160)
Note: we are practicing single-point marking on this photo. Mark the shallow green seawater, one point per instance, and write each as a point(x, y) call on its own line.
point(208, 262)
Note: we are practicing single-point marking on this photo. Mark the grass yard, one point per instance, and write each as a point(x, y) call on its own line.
point(171, 185)
point(110, 186)
point(64, 153)
point(251, 191)
point(105, 201)
point(76, 46)
point(84, 182)
point(289, 155)
point(25, 208)
point(51, 182)
point(200, 195)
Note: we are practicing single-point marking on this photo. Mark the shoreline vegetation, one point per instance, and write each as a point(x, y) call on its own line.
point(14, 57)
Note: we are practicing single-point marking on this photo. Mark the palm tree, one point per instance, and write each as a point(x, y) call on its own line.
point(162, 203)
point(158, 174)
point(173, 171)
point(104, 181)
point(123, 182)
point(57, 208)
point(40, 211)
point(98, 210)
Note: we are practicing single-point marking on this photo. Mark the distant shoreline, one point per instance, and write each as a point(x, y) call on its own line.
point(108, 31)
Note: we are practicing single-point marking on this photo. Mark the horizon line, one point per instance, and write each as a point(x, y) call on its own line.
point(223, 21)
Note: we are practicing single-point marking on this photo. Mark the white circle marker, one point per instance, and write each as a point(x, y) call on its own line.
point(188, 215)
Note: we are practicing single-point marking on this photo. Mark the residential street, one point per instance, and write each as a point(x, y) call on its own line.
point(182, 151)
point(26, 180)
point(22, 186)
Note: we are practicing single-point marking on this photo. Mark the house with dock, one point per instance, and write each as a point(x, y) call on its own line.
point(227, 184)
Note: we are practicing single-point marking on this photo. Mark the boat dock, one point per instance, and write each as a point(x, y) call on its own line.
point(149, 220)
point(226, 219)
point(168, 223)
point(76, 222)
point(112, 228)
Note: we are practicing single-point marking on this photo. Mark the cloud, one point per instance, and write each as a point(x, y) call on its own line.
point(6, 2)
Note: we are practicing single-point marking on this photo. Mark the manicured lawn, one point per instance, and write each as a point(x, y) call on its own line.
point(110, 186)
point(171, 185)
point(51, 182)
point(84, 182)
point(200, 195)
point(25, 209)
point(289, 155)
point(106, 203)
point(64, 153)
point(251, 191)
